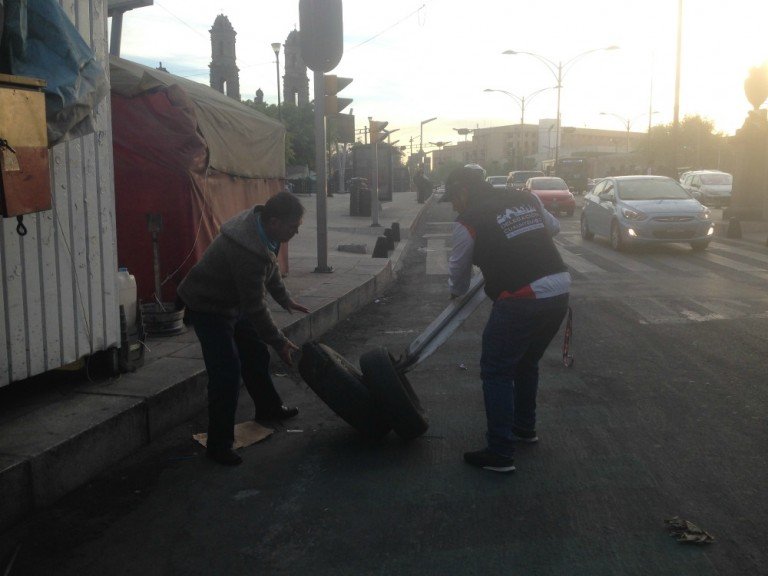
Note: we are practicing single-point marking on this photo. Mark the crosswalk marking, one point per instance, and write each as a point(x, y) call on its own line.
point(737, 265)
point(579, 264)
point(741, 252)
point(674, 286)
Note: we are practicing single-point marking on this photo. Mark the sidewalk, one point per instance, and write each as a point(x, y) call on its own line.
point(56, 440)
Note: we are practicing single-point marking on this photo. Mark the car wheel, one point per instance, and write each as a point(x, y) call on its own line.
point(699, 245)
point(570, 212)
point(617, 242)
point(393, 393)
point(340, 385)
point(586, 233)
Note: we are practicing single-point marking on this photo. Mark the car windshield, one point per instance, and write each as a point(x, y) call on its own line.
point(497, 179)
point(716, 179)
point(650, 189)
point(523, 176)
point(548, 184)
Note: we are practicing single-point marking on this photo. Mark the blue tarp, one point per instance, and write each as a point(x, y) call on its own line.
point(40, 41)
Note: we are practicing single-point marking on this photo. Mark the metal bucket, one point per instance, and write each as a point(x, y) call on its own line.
point(162, 319)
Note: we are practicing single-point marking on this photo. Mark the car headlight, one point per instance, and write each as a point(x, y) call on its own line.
point(631, 214)
point(705, 214)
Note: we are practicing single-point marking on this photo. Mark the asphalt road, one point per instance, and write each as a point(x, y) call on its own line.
point(662, 415)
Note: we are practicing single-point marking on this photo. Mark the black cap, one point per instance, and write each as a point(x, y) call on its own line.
point(467, 177)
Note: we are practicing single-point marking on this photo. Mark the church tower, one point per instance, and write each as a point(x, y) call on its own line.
point(224, 71)
point(295, 80)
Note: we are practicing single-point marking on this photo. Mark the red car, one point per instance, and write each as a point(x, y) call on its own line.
point(553, 193)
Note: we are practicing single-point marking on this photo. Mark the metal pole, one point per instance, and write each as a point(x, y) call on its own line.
point(320, 175)
point(277, 65)
point(557, 120)
point(117, 33)
point(375, 182)
point(676, 118)
point(628, 127)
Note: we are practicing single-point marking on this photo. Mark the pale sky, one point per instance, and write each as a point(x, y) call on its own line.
point(416, 59)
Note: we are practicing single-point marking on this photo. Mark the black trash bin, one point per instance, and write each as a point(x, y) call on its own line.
point(356, 187)
point(364, 201)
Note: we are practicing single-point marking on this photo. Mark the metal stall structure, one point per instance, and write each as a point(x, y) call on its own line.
point(59, 299)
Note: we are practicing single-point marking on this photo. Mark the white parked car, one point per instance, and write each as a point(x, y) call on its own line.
point(710, 187)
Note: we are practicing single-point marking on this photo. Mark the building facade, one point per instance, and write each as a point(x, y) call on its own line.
point(295, 79)
point(524, 146)
point(225, 75)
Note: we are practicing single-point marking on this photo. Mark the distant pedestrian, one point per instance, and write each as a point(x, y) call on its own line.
point(508, 235)
point(225, 295)
point(423, 186)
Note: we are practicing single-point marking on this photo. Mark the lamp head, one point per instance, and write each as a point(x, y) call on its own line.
point(276, 47)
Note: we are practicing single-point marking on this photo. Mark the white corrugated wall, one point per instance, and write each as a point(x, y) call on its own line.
point(58, 292)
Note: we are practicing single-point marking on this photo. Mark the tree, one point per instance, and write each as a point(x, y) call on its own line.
point(299, 124)
point(699, 147)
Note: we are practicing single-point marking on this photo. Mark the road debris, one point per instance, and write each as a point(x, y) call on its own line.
point(687, 532)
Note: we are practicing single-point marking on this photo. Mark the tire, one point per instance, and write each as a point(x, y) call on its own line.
point(617, 242)
point(393, 393)
point(569, 212)
point(586, 233)
point(699, 245)
point(339, 384)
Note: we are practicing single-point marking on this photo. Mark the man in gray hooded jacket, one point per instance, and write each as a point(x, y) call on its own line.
point(225, 295)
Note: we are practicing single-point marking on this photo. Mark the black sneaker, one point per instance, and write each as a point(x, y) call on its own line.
point(277, 413)
point(225, 456)
point(488, 460)
point(527, 436)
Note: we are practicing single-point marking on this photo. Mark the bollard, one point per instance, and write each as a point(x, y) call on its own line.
point(734, 229)
point(396, 231)
point(380, 250)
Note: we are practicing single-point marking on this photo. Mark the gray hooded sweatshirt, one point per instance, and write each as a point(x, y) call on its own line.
point(235, 274)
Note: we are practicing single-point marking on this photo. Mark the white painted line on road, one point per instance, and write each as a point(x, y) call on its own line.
point(741, 252)
point(761, 273)
point(679, 263)
point(626, 261)
point(580, 264)
point(653, 311)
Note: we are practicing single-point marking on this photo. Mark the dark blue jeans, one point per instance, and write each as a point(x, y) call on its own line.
point(232, 349)
point(514, 340)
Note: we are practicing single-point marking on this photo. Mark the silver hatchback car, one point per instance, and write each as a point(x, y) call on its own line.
point(633, 210)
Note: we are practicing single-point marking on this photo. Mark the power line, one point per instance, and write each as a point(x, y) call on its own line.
point(389, 28)
point(195, 30)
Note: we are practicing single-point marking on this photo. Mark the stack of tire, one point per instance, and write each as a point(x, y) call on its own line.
point(373, 400)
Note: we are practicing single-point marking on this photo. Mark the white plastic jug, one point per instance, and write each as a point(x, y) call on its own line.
point(126, 284)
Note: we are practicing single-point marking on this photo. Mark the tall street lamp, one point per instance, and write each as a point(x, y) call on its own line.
point(559, 70)
point(521, 100)
point(628, 121)
point(276, 48)
point(421, 138)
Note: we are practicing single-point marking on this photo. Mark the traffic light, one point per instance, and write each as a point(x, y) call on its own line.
point(340, 126)
point(378, 132)
point(334, 85)
point(321, 25)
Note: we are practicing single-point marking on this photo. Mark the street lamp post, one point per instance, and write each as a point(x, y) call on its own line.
point(521, 100)
point(276, 48)
point(628, 121)
point(421, 138)
point(559, 70)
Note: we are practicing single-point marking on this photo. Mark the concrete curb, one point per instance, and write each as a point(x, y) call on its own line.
point(102, 423)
